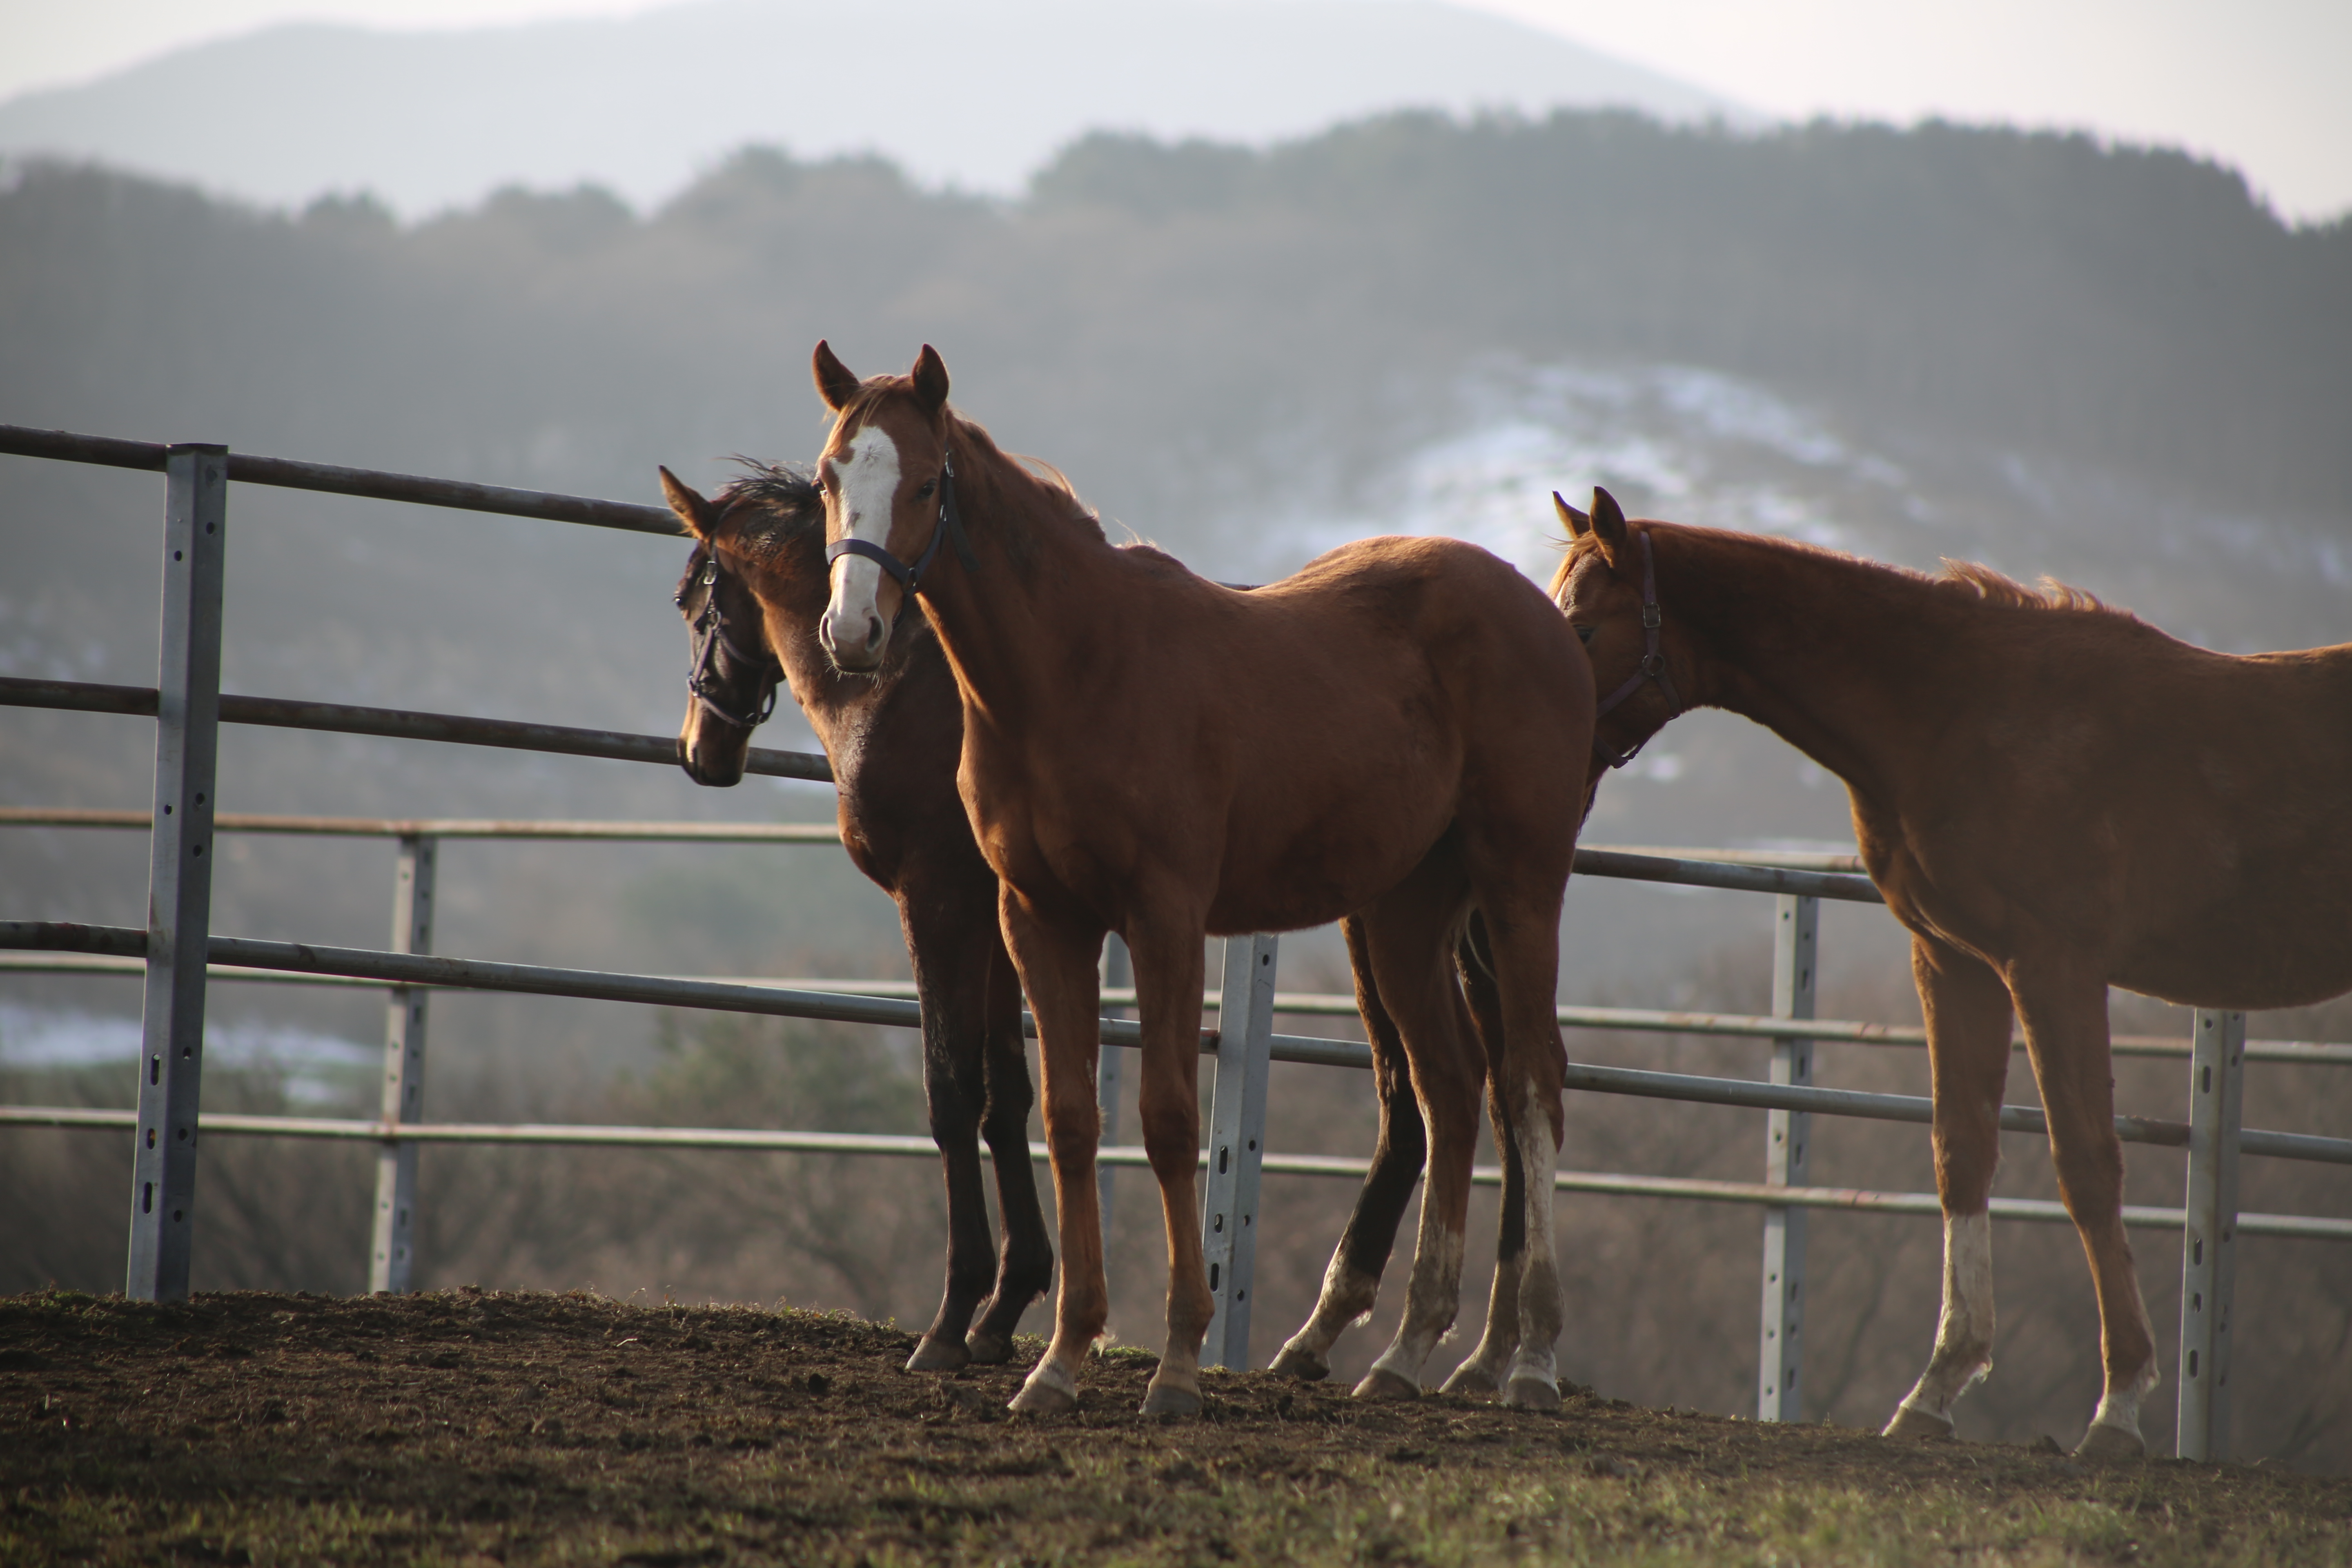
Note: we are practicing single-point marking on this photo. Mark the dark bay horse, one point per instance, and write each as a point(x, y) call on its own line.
point(1399, 732)
point(753, 590)
point(2054, 798)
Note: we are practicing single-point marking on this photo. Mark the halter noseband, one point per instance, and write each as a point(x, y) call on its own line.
point(710, 639)
point(950, 527)
point(1652, 667)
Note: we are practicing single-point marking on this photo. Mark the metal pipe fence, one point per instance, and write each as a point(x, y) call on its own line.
point(177, 955)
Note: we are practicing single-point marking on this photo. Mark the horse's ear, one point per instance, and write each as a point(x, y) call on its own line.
point(698, 515)
point(836, 383)
point(1608, 522)
point(931, 378)
point(1577, 523)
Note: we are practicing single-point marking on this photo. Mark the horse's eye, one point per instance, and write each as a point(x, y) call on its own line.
point(1584, 634)
point(929, 487)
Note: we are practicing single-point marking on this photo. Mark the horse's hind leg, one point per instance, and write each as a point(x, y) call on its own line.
point(1352, 1282)
point(1968, 1013)
point(1522, 924)
point(951, 978)
point(2065, 1016)
point(1483, 1372)
point(1410, 936)
point(1024, 1268)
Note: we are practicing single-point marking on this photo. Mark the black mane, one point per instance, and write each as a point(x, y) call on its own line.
point(786, 491)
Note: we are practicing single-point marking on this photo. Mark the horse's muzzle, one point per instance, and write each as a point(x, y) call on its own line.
point(861, 656)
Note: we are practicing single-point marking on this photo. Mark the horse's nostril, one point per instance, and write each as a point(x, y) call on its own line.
point(872, 630)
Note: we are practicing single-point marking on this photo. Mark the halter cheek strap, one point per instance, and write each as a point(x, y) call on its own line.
point(709, 638)
point(1652, 667)
point(950, 527)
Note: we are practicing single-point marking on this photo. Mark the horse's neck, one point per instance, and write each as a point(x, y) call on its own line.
point(1834, 656)
point(833, 703)
point(1009, 629)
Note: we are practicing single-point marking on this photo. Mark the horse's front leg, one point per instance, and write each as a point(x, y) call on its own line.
point(950, 950)
point(2065, 1009)
point(1057, 969)
point(1351, 1284)
point(1967, 1012)
point(1026, 1267)
point(1168, 977)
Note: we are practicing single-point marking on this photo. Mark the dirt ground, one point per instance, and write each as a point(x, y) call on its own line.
point(471, 1426)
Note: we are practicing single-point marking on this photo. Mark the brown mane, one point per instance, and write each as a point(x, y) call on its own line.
point(1993, 588)
point(1968, 578)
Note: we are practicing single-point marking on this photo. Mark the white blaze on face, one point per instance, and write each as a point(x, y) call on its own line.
point(865, 479)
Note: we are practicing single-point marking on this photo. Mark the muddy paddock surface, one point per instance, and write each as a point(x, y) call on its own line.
point(471, 1426)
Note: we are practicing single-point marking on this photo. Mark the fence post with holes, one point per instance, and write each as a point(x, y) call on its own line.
point(180, 882)
point(1110, 1063)
point(1788, 1138)
point(1237, 1146)
point(2209, 1240)
point(392, 1257)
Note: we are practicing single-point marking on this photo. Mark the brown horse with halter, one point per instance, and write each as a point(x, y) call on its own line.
point(896, 735)
point(1391, 733)
point(2054, 798)
point(754, 587)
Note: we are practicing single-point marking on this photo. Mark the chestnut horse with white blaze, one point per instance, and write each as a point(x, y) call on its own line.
point(2054, 798)
point(1398, 733)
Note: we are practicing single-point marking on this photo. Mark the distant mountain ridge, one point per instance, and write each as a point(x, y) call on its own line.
point(970, 96)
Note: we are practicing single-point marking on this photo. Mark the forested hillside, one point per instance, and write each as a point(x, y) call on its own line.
point(1151, 308)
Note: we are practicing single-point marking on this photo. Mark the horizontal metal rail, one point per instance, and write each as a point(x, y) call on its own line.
point(1716, 874)
point(760, 1141)
point(341, 719)
point(586, 984)
point(478, 974)
point(444, 826)
point(1302, 1003)
point(107, 451)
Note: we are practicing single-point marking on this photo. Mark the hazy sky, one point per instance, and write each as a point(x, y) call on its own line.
point(2266, 85)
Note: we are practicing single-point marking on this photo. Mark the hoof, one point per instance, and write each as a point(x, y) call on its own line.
point(1382, 1384)
point(1298, 1361)
point(1472, 1381)
point(1532, 1394)
point(1169, 1399)
point(1919, 1426)
point(2105, 1445)
point(1048, 1392)
point(987, 1349)
point(938, 1355)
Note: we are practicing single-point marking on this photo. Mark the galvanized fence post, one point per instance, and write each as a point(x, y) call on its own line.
point(179, 886)
point(392, 1257)
point(1237, 1146)
point(2209, 1237)
point(1787, 1140)
point(1110, 1065)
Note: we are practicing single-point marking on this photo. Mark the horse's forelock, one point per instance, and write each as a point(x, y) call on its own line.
point(785, 498)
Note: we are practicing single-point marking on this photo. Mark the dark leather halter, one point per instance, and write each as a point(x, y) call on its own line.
point(705, 679)
point(1652, 667)
point(949, 528)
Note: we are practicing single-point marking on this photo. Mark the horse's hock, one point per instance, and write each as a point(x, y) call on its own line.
point(189, 708)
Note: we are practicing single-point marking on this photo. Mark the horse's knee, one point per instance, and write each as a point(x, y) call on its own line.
point(1171, 1131)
